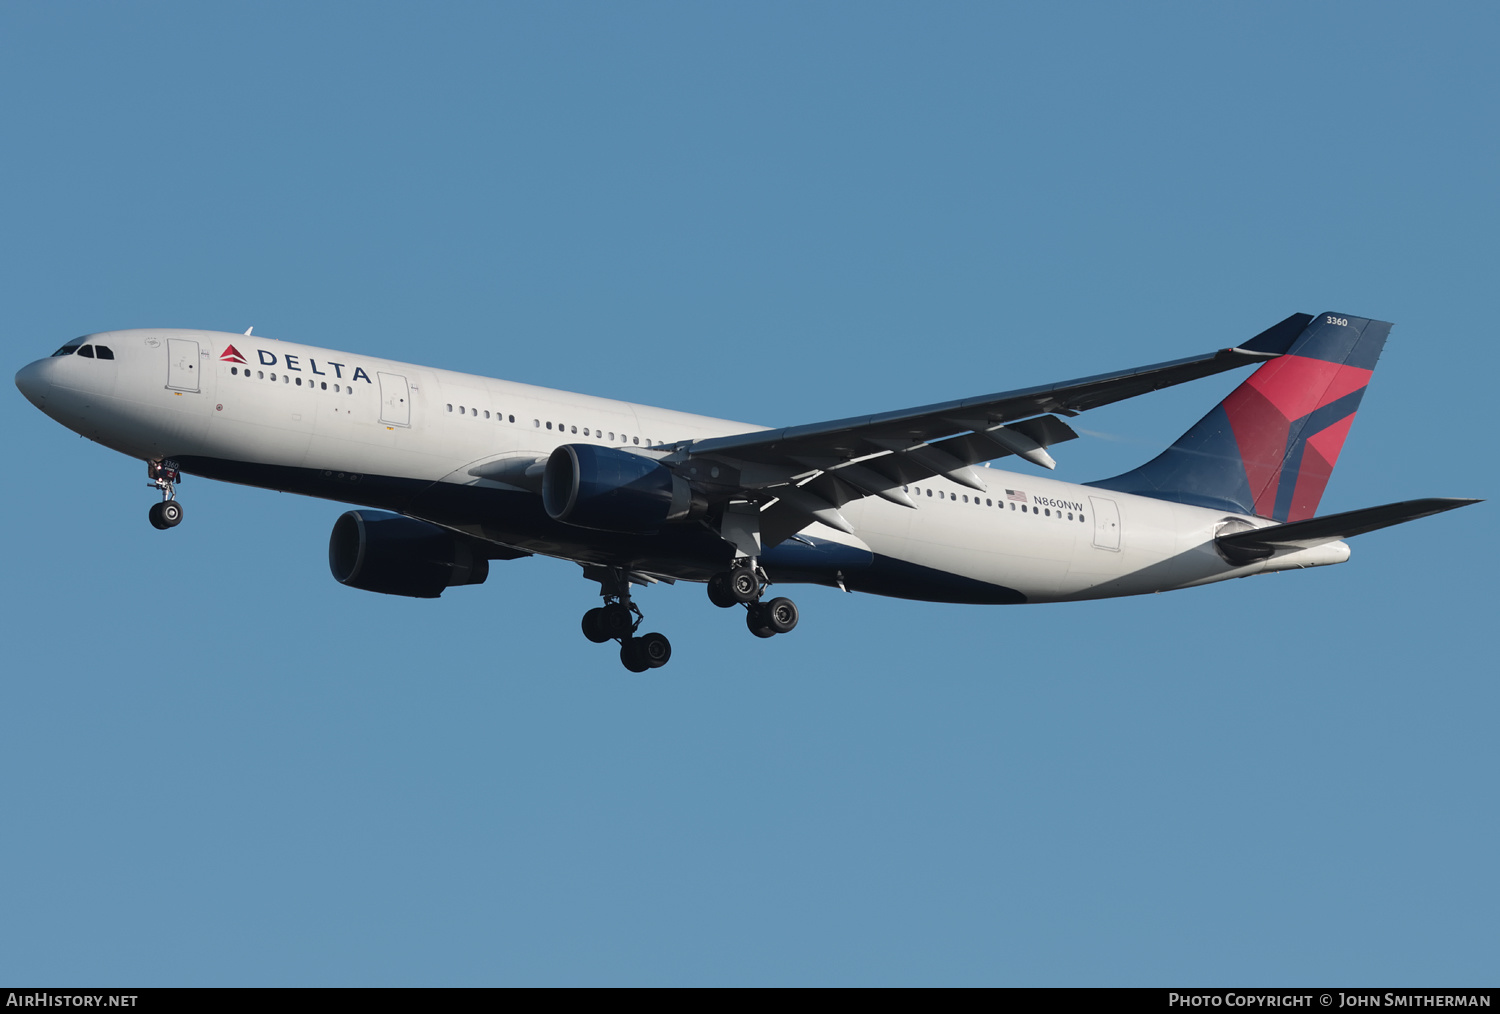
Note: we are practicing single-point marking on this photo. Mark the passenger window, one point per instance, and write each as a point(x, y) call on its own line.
point(929, 490)
point(585, 431)
point(966, 498)
point(549, 425)
point(1080, 517)
point(486, 413)
point(952, 496)
point(299, 381)
point(574, 429)
point(104, 352)
point(323, 385)
point(285, 379)
point(450, 408)
point(87, 352)
point(273, 376)
point(611, 434)
point(512, 418)
point(635, 440)
point(261, 374)
point(987, 503)
point(234, 371)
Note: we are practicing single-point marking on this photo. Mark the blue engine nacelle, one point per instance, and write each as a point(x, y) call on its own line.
point(394, 555)
point(613, 490)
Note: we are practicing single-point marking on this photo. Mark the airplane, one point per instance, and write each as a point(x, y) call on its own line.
point(453, 472)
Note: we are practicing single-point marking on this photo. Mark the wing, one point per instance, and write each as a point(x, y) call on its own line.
point(803, 474)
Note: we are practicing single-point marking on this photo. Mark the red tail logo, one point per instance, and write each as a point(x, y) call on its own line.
point(231, 355)
point(1289, 421)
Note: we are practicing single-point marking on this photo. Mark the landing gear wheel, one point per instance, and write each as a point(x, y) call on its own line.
point(593, 626)
point(719, 593)
point(759, 622)
point(744, 585)
point(164, 515)
point(780, 615)
point(616, 620)
point(654, 649)
point(631, 656)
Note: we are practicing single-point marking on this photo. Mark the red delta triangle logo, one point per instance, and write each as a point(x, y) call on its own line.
point(231, 355)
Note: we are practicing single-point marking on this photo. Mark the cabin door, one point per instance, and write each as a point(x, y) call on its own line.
point(395, 399)
point(182, 364)
point(1106, 523)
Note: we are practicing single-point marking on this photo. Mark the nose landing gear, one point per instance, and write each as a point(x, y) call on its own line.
point(619, 619)
point(164, 515)
point(168, 513)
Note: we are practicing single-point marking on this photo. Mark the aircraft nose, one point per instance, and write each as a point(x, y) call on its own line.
point(32, 381)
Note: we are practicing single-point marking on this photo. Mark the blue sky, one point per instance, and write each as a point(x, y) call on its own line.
point(220, 767)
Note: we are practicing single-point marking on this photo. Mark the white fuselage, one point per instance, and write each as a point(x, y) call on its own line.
point(453, 448)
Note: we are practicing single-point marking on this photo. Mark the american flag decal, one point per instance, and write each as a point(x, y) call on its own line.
point(1017, 495)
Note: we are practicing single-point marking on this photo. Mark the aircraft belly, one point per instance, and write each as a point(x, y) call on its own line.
point(943, 554)
point(260, 438)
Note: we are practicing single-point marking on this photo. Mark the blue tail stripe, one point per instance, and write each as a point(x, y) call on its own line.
point(1313, 422)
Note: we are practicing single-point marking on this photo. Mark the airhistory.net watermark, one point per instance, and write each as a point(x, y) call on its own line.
point(42, 998)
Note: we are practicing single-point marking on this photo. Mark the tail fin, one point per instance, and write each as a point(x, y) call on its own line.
point(1269, 448)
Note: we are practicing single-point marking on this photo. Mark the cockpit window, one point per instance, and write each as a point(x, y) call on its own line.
point(87, 352)
point(66, 350)
point(104, 352)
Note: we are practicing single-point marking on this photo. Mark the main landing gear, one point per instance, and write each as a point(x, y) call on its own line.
point(744, 586)
point(168, 513)
point(619, 619)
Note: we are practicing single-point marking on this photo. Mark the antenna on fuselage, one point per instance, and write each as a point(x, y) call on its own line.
point(249, 329)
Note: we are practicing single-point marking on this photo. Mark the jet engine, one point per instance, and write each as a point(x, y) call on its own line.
point(395, 555)
point(612, 490)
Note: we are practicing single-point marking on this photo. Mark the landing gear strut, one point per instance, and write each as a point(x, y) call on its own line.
point(619, 619)
point(744, 586)
point(168, 513)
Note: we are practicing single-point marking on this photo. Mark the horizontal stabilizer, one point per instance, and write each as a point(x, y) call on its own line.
point(1259, 543)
